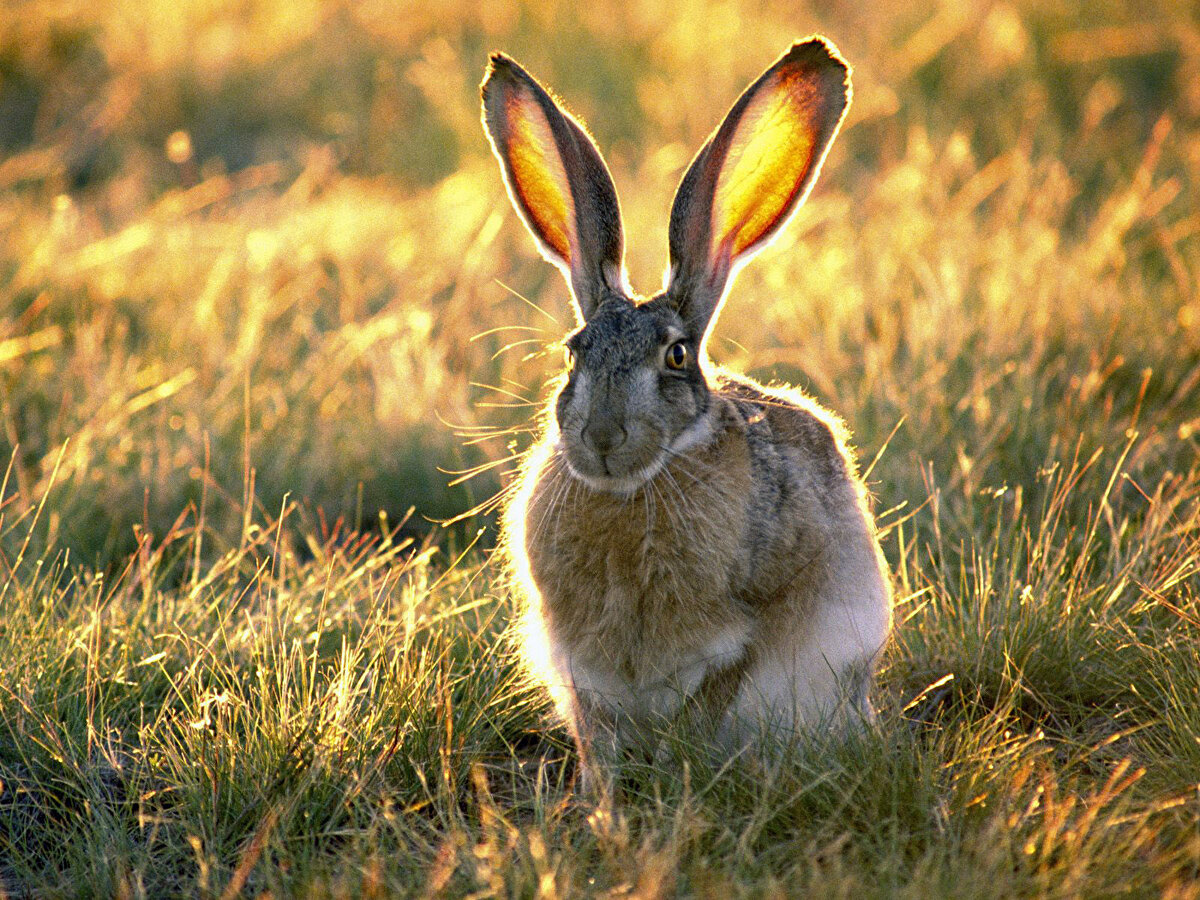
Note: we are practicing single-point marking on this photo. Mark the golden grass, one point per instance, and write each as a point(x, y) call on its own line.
point(260, 289)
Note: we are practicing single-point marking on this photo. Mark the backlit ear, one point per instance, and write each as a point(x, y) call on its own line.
point(753, 173)
point(558, 182)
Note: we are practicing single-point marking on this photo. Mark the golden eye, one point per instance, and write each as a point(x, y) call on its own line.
point(676, 356)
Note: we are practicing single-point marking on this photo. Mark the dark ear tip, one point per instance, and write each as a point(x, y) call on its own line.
point(818, 57)
point(816, 52)
point(502, 68)
point(500, 61)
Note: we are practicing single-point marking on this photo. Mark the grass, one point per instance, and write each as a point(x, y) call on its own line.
point(260, 290)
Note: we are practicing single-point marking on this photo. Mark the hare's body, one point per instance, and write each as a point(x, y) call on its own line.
point(735, 583)
point(692, 547)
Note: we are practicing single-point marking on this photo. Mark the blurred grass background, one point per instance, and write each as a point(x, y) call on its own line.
point(272, 232)
point(256, 257)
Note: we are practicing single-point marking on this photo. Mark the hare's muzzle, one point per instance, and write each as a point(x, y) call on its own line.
point(603, 435)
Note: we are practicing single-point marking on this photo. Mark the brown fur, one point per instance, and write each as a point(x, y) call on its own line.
point(631, 583)
point(659, 577)
point(690, 546)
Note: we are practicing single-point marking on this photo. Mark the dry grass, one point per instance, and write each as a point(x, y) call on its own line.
point(256, 271)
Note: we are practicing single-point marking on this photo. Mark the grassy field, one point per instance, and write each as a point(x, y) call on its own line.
point(262, 295)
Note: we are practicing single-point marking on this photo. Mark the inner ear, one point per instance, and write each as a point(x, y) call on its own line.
point(777, 149)
point(753, 173)
point(557, 181)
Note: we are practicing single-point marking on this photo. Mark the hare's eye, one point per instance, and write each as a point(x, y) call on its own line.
point(676, 356)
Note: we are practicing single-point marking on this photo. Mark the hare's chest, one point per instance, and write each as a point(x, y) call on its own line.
point(639, 614)
point(657, 690)
point(629, 568)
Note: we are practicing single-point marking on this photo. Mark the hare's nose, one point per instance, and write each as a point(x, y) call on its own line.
point(603, 438)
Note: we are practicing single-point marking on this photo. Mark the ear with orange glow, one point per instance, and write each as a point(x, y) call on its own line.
point(557, 181)
point(753, 174)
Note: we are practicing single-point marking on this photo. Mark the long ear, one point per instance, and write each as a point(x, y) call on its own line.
point(752, 174)
point(558, 182)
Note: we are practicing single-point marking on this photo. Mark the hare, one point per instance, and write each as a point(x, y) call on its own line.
point(692, 547)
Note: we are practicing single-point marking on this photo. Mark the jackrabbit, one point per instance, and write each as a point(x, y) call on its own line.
point(691, 546)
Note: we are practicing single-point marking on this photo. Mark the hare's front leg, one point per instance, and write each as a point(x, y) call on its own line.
point(596, 729)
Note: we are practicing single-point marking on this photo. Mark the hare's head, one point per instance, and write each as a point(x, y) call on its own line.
point(635, 393)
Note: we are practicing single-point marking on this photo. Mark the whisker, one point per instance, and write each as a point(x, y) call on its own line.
point(482, 334)
point(649, 496)
point(558, 484)
point(526, 300)
point(511, 345)
point(500, 390)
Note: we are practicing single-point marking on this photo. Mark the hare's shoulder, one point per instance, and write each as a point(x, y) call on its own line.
point(793, 420)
